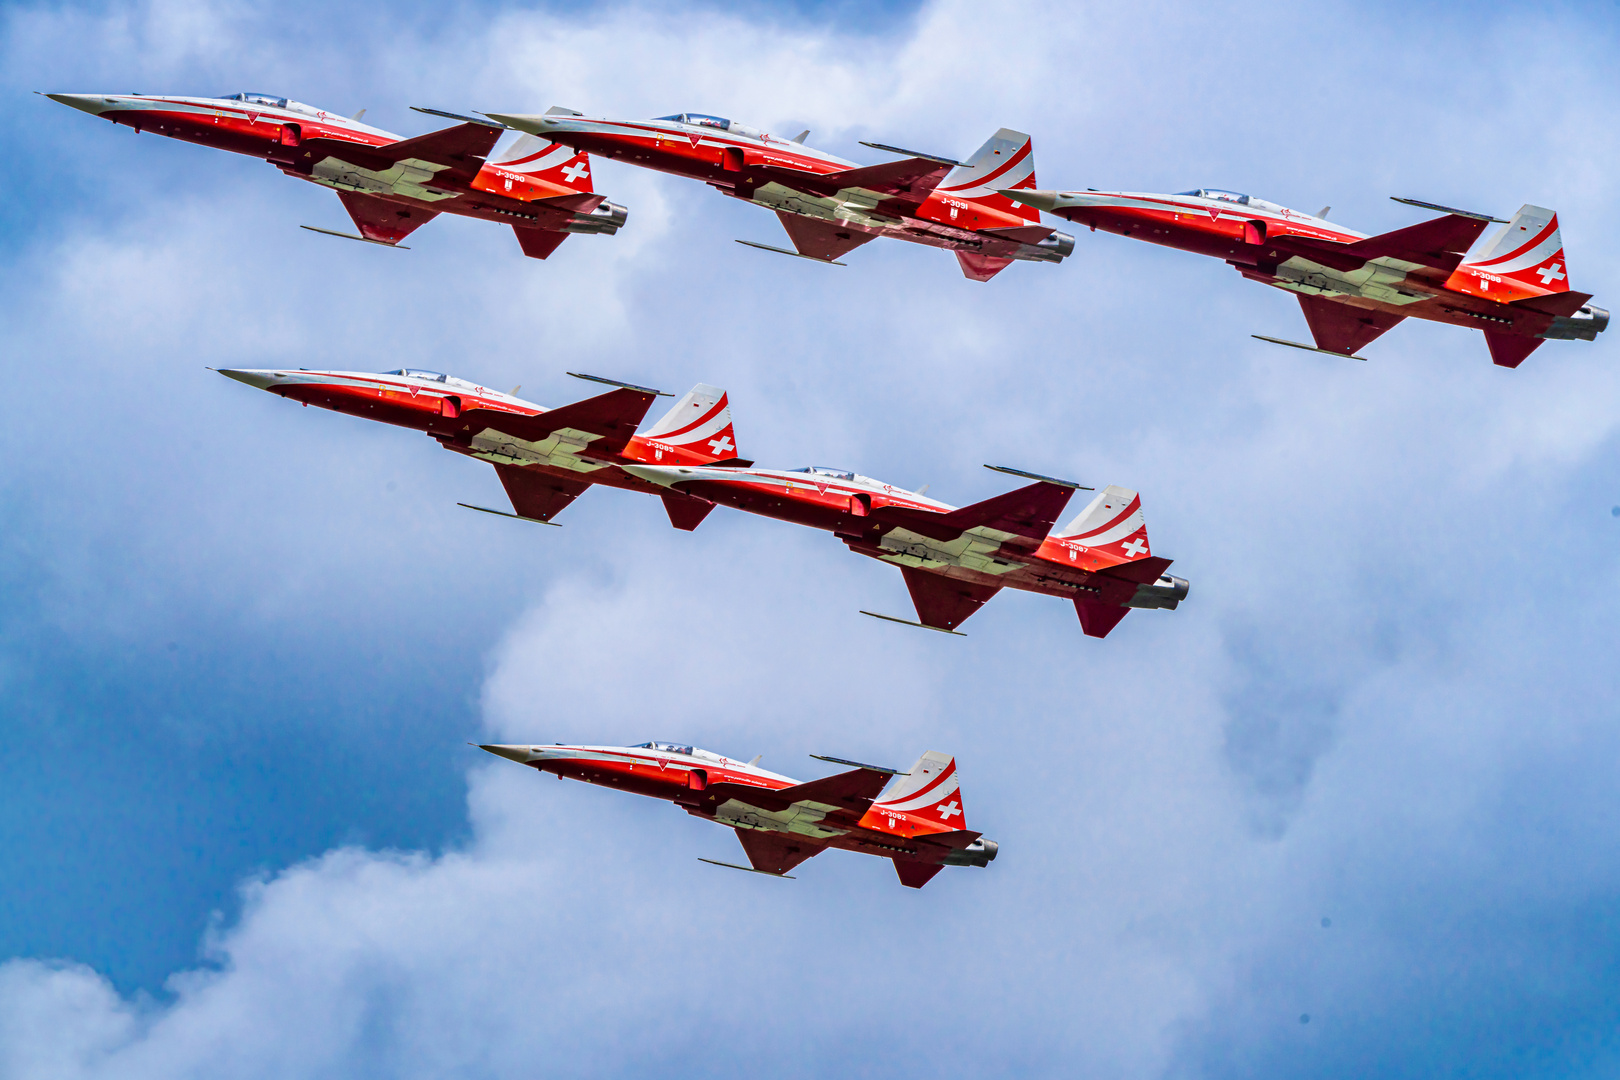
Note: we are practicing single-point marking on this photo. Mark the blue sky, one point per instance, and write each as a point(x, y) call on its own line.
point(243, 645)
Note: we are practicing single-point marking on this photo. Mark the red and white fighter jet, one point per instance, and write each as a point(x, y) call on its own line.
point(1353, 287)
point(919, 822)
point(546, 458)
point(390, 186)
point(830, 206)
point(954, 560)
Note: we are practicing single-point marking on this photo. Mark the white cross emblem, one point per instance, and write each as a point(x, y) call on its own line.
point(1551, 273)
point(949, 809)
point(575, 171)
point(1135, 547)
point(721, 445)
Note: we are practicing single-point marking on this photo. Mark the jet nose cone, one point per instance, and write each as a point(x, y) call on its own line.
point(94, 104)
point(262, 380)
point(512, 753)
point(1040, 200)
point(534, 125)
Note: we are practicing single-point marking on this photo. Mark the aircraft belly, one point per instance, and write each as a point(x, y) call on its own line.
point(560, 450)
point(404, 179)
point(1380, 283)
point(841, 210)
point(905, 548)
point(804, 819)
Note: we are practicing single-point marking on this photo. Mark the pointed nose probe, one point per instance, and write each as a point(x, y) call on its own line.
point(519, 754)
point(259, 380)
point(94, 104)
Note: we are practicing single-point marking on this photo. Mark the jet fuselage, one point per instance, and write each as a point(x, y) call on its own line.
point(274, 129)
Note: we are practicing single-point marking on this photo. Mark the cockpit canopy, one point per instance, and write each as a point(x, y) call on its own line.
point(272, 101)
point(667, 747)
point(700, 119)
point(680, 748)
point(258, 99)
point(822, 470)
point(719, 123)
point(420, 373)
point(1217, 193)
point(1222, 195)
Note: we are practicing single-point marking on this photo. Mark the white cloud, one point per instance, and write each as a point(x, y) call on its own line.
point(1398, 629)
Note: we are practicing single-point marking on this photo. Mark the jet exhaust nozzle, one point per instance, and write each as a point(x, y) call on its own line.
point(1585, 325)
point(1165, 593)
point(1055, 248)
point(979, 853)
point(608, 218)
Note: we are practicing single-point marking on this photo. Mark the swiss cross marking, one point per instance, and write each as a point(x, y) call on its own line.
point(721, 445)
point(1135, 547)
point(575, 171)
point(1551, 272)
point(949, 809)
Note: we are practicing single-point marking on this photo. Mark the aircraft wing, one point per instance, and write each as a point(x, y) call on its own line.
point(910, 180)
point(1027, 513)
point(611, 418)
point(1440, 243)
point(944, 603)
point(1341, 328)
point(817, 239)
point(853, 791)
point(536, 495)
point(383, 221)
point(459, 150)
point(777, 853)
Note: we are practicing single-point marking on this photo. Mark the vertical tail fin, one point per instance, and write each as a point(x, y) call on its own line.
point(1112, 525)
point(929, 793)
point(1525, 259)
point(697, 429)
point(552, 163)
point(1006, 161)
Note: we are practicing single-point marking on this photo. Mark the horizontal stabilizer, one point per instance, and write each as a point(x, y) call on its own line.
point(914, 874)
point(858, 765)
point(1563, 304)
point(686, 512)
point(976, 267)
point(1510, 350)
point(538, 243)
point(1097, 617)
point(1141, 571)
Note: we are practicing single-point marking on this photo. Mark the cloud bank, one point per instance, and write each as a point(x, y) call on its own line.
point(1347, 812)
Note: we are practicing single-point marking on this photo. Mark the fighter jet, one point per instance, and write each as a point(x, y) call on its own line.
point(918, 823)
point(1353, 287)
point(830, 206)
point(546, 458)
point(389, 185)
point(954, 560)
